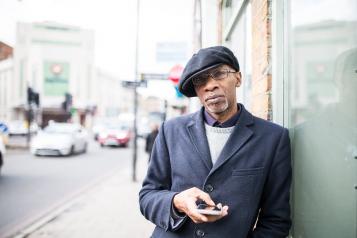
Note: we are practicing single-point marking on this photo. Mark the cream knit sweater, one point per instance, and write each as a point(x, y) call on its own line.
point(217, 138)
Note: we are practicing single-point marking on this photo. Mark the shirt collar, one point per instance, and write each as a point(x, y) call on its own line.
point(211, 121)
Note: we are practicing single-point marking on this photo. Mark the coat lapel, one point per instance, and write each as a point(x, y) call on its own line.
point(237, 139)
point(198, 137)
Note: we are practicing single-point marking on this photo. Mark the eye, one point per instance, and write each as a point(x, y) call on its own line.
point(219, 74)
point(199, 80)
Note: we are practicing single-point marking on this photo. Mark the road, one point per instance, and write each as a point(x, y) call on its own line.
point(32, 186)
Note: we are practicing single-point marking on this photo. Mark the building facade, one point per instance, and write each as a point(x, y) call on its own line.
point(110, 97)
point(54, 59)
point(299, 67)
point(6, 91)
point(6, 51)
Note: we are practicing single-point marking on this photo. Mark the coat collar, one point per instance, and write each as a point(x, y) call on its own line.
point(196, 129)
point(239, 136)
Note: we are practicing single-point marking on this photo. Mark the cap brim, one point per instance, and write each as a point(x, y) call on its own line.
point(187, 86)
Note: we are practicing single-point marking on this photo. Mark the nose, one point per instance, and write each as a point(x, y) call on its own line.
point(211, 84)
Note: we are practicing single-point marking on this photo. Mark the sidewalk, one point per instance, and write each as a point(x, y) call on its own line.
point(109, 210)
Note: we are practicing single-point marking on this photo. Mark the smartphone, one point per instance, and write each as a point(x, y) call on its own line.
point(209, 210)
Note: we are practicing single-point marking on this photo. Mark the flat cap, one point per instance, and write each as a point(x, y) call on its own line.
point(203, 60)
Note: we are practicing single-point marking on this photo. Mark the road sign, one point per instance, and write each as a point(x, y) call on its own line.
point(133, 84)
point(146, 76)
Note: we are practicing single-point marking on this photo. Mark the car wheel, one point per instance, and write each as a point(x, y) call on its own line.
point(1, 162)
point(72, 150)
point(85, 148)
point(101, 145)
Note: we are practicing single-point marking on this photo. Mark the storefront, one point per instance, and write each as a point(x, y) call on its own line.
point(321, 112)
point(299, 64)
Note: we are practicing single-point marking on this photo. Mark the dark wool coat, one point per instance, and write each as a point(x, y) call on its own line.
point(252, 176)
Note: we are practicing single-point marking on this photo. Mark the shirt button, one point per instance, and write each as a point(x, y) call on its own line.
point(200, 233)
point(208, 188)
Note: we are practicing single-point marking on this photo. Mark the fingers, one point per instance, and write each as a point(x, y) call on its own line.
point(205, 197)
point(195, 216)
point(186, 202)
point(223, 214)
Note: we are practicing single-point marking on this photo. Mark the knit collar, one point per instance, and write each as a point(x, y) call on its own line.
point(211, 121)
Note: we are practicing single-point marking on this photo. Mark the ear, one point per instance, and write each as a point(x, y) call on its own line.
point(238, 78)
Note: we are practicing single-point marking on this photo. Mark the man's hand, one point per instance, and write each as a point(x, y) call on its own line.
point(186, 202)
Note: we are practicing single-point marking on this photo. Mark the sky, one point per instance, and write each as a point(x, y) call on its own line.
point(114, 24)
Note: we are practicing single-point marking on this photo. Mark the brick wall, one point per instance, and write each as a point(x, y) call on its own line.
point(5, 51)
point(261, 57)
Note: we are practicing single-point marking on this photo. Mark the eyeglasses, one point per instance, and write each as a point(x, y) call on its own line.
point(217, 75)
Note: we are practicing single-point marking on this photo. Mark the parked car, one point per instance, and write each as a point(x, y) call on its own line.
point(60, 139)
point(2, 153)
point(4, 133)
point(99, 125)
point(115, 134)
point(20, 128)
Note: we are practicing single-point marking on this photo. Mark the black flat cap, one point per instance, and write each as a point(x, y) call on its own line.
point(203, 60)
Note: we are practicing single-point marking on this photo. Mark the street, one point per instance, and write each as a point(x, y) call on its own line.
point(32, 186)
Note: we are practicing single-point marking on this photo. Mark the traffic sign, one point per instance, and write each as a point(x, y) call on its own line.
point(147, 76)
point(133, 84)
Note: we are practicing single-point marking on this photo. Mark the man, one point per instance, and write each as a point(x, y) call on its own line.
point(151, 138)
point(220, 155)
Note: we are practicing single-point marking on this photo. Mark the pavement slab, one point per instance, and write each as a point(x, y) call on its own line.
point(110, 209)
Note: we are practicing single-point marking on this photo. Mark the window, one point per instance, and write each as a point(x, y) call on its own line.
point(322, 110)
point(238, 37)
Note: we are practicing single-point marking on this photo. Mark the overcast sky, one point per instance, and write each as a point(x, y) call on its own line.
point(114, 23)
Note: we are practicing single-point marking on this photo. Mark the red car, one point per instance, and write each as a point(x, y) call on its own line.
point(114, 135)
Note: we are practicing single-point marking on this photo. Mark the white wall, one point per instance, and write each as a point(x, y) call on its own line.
point(37, 43)
point(6, 89)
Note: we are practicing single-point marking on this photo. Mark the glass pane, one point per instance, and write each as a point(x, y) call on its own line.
point(323, 117)
point(241, 44)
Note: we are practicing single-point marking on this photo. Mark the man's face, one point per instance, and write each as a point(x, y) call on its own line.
point(216, 89)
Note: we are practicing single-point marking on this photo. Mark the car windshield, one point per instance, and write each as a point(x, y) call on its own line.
point(117, 127)
point(60, 128)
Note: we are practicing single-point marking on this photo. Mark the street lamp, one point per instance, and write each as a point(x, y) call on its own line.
point(136, 93)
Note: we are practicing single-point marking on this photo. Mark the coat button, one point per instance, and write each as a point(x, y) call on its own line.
point(208, 188)
point(200, 233)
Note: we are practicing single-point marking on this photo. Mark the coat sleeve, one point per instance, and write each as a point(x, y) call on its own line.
point(274, 218)
point(155, 197)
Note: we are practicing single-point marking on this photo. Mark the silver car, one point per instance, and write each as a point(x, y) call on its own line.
point(60, 139)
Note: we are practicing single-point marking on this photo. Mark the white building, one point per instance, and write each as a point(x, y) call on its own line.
point(7, 92)
point(54, 59)
point(109, 96)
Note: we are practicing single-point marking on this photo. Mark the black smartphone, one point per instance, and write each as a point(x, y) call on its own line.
point(209, 210)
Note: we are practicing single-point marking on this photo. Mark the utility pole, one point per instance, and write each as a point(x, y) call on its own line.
point(32, 106)
point(135, 91)
point(197, 25)
point(29, 114)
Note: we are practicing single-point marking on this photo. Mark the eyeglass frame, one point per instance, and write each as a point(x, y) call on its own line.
point(204, 77)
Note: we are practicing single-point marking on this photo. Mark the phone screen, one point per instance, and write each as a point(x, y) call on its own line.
point(209, 210)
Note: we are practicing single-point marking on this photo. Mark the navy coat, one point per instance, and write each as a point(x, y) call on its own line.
point(252, 176)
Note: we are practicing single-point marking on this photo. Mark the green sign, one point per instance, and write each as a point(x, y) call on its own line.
point(56, 78)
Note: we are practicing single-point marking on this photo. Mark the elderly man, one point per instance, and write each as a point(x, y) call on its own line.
point(220, 155)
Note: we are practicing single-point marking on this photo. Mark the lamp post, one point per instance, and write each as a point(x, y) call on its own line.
point(135, 92)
